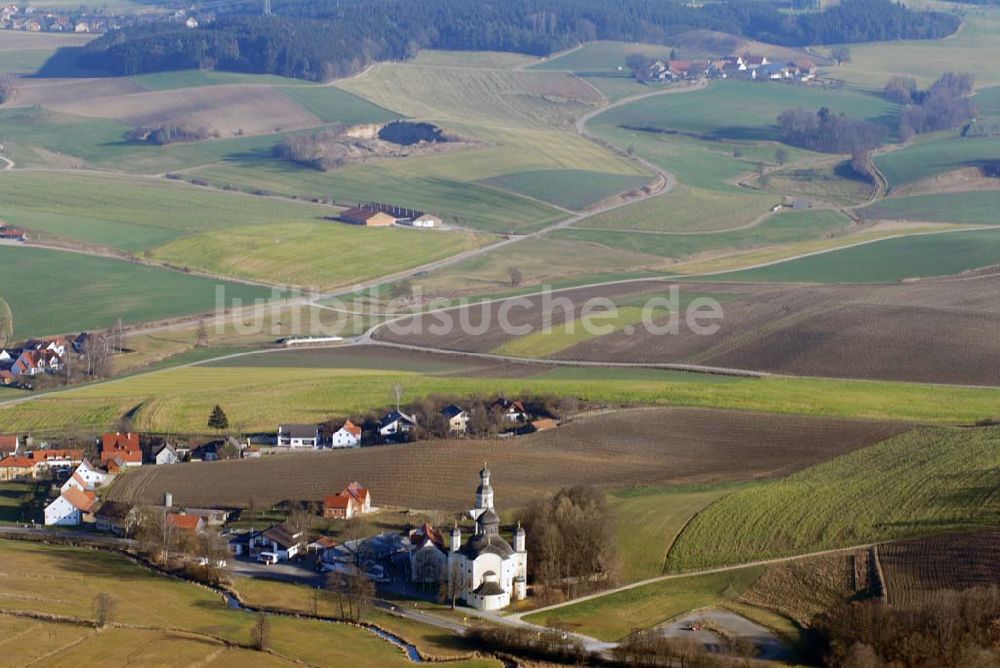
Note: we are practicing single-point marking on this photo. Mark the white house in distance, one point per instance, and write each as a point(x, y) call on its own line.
point(458, 419)
point(396, 422)
point(280, 539)
point(298, 435)
point(490, 572)
point(68, 510)
point(348, 436)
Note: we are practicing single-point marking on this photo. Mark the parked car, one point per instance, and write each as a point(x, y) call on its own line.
point(269, 558)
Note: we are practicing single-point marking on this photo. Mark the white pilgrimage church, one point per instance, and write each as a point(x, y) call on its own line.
point(489, 571)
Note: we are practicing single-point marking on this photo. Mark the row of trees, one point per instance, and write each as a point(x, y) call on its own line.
point(944, 106)
point(168, 133)
point(331, 38)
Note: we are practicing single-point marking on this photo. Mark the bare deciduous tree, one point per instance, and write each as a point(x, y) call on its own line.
point(104, 609)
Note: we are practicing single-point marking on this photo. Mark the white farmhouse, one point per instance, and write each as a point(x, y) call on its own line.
point(348, 436)
point(85, 478)
point(166, 455)
point(69, 508)
point(298, 435)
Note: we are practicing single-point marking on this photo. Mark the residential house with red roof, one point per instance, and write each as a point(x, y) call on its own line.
point(348, 436)
point(120, 450)
point(184, 522)
point(16, 468)
point(55, 460)
point(9, 444)
point(351, 501)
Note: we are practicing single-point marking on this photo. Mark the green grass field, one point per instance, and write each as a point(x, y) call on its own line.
point(568, 188)
point(331, 104)
point(327, 254)
point(786, 227)
point(134, 214)
point(649, 519)
point(58, 580)
point(178, 400)
point(22, 502)
point(614, 616)
point(175, 79)
point(602, 56)
point(987, 101)
point(941, 152)
point(973, 208)
point(52, 292)
point(713, 111)
point(923, 482)
point(888, 260)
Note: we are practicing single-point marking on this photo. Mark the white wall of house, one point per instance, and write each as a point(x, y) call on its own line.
point(344, 439)
point(62, 513)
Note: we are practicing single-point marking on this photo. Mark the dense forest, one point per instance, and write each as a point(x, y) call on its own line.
point(329, 38)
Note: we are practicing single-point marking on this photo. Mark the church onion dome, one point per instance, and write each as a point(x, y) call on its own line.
point(487, 544)
point(489, 517)
point(485, 473)
point(489, 588)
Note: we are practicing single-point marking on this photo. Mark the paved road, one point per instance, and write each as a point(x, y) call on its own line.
point(730, 626)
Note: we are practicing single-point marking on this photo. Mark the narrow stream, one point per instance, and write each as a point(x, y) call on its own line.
point(411, 650)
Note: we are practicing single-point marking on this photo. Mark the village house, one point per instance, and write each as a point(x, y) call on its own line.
point(12, 234)
point(281, 540)
point(16, 468)
point(34, 362)
point(86, 478)
point(348, 436)
point(511, 411)
point(185, 522)
point(117, 518)
point(396, 423)
point(120, 450)
point(458, 419)
point(353, 500)
point(55, 461)
point(166, 455)
point(489, 572)
point(70, 508)
point(321, 545)
point(9, 445)
point(298, 436)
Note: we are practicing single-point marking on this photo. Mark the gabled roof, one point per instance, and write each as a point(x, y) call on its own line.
point(283, 535)
point(508, 405)
point(82, 501)
point(186, 522)
point(8, 443)
point(49, 455)
point(299, 430)
point(337, 501)
point(396, 416)
point(16, 463)
point(352, 429)
point(452, 411)
point(426, 533)
point(118, 441)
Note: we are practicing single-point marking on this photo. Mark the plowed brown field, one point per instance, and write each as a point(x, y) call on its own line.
point(625, 448)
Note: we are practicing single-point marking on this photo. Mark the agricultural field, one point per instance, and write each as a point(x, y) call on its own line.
point(52, 292)
point(567, 188)
point(835, 183)
point(927, 481)
point(601, 56)
point(905, 331)
point(978, 41)
point(663, 446)
point(934, 155)
point(971, 208)
point(917, 570)
point(888, 260)
point(187, 621)
point(25, 53)
point(649, 519)
point(614, 616)
point(783, 228)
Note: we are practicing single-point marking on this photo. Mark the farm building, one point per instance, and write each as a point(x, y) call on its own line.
point(70, 508)
point(396, 422)
point(491, 572)
point(166, 455)
point(368, 218)
point(280, 539)
point(298, 436)
point(185, 522)
point(85, 478)
point(353, 500)
point(55, 460)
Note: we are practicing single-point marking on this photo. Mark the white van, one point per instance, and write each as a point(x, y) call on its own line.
point(269, 558)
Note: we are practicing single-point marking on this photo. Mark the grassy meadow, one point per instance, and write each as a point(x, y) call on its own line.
point(602, 56)
point(923, 482)
point(52, 292)
point(614, 616)
point(568, 188)
point(188, 623)
point(972, 208)
point(885, 261)
point(935, 154)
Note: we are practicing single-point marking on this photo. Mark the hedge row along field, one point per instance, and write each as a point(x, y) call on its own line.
point(928, 481)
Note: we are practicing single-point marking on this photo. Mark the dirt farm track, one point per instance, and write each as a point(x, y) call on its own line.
point(936, 330)
point(630, 447)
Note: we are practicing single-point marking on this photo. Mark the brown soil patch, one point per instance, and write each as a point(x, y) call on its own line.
point(225, 109)
point(53, 92)
point(914, 570)
point(635, 447)
point(959, 180)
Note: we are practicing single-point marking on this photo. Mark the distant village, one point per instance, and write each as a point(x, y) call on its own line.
point(26, 18)
point(736, 67)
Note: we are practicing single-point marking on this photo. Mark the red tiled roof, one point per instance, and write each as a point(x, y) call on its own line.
point(352, 428)
point(119, 441)
point(425, 533)
point(186, 522)
point(8, 443)
point(49, 455)
point(82, 501)
point(16, 463)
